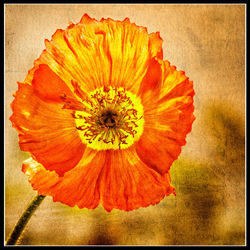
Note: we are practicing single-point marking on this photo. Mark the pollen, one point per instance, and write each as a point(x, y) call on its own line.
point(112, 118)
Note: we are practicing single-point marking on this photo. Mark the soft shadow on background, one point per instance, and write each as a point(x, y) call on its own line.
point(208, 43)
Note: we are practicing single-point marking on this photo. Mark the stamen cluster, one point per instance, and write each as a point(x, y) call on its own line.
point(109, 117)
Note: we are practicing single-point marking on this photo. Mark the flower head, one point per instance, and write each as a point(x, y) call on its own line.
point(103, 116)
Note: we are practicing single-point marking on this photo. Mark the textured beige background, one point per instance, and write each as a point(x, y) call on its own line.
point(208, 43)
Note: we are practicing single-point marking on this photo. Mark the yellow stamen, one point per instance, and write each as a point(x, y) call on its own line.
point(111, 118)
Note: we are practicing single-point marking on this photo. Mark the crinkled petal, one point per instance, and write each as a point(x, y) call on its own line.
point(168, 119)
point(99, 53)
point(48, 86)
point(152, 82)
point(79, 186)
point(46, 130)
point(117, 179)
point(127, 183)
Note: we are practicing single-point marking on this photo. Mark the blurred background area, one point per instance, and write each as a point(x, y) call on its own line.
point(208, 43)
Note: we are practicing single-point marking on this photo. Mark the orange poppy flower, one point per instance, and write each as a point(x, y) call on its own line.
point(103, 116)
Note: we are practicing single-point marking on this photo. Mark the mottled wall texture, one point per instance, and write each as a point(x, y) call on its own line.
point(208, 43)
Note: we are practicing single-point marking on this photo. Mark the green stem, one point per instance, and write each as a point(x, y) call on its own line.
point(15, 234)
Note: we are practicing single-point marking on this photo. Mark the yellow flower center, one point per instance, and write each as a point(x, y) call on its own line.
point(112, 119)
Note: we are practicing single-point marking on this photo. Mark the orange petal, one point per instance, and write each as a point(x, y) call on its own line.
point(46, 130)
point(48, 86)
point(151, 82)
point(118, 178)
point(98, 53)
point(168, 119)
point(79, 186)
point(127, 183)
point(175, 83)
point(155, 45)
